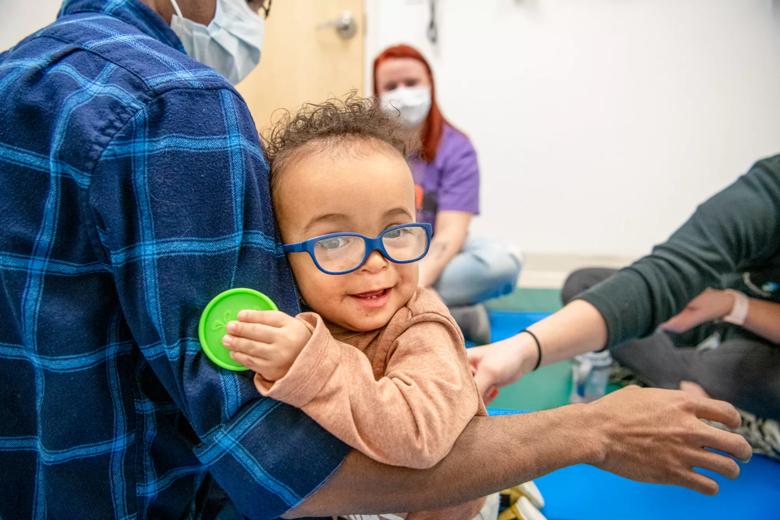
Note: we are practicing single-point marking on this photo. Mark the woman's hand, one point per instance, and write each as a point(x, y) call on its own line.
point(501, 363)
point(710, 305)
point(267, 342)
point(575, 329)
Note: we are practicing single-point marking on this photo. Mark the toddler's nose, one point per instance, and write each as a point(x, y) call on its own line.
point(375, 262)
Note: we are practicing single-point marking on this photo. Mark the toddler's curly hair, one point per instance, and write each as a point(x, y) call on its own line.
point(334, 126)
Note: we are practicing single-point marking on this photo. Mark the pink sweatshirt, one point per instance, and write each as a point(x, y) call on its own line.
point(401, 395)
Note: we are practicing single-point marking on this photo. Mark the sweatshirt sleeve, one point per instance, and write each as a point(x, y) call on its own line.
point(735, 229)
point(410, 416)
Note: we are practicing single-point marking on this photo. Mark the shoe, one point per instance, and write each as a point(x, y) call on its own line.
point(528, 490)
point(522, 502)
point(523, 509)
point(474, 322)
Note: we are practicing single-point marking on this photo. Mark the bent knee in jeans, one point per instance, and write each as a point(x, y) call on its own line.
point(483, 269)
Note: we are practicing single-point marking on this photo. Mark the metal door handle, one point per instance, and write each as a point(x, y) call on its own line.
point(345, 25)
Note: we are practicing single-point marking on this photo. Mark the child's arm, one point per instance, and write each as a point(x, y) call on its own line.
point(409, 416)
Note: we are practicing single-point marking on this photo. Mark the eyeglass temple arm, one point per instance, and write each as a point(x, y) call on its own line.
point(299, 247)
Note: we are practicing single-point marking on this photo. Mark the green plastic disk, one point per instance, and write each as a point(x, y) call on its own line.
point(223, 308)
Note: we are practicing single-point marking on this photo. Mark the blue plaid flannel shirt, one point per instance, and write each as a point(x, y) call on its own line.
point(132, 190)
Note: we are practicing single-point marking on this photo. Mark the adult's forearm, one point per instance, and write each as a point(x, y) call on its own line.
point(763, 318)
point(733, 230)
point(452, 227)
point(491, 454)
point(443, 249)
point(647, 434)
point(577, 328)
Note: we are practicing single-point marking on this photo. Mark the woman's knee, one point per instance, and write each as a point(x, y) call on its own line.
point(474, 276)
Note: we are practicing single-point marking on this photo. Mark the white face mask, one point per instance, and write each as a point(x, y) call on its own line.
point(413, 103)
point(230, 44)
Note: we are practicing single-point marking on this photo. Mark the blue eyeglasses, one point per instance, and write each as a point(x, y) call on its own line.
point(342, 253)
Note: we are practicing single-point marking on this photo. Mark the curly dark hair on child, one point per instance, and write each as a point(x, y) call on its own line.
point(330, 125)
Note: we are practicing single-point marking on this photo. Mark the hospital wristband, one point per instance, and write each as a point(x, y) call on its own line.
point(739, 309)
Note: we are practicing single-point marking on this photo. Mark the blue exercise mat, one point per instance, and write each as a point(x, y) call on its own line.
point(584, 492)
point(504, 324)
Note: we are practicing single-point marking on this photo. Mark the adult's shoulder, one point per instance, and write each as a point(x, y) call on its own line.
point(756, 193)
point(455, 148)
point(454, 138)
point(768, 167)
point(141, 65)
point(100, 74)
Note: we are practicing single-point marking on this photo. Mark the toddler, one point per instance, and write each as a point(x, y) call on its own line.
point(379, 362)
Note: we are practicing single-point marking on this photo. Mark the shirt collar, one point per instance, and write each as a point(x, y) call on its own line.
point(132, 12)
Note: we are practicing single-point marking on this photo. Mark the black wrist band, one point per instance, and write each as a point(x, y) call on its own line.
point(538, 348)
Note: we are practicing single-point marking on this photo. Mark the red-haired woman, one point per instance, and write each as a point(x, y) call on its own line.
point(464, 271)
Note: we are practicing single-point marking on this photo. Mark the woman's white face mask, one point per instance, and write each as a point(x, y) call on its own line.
point(411, 104)
point(230, 44)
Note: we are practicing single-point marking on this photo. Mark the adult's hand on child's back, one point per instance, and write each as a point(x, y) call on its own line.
point(655, 435)
point(267, 342)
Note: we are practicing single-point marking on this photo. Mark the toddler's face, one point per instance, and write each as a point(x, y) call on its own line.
point(364, 192)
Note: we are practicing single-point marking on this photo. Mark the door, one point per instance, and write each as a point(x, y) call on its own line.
point(313, 50)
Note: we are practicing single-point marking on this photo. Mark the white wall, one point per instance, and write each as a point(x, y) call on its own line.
point(599, 124)
point(18, 18)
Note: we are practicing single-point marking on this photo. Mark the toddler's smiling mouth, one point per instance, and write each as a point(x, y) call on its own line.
point(373, 299)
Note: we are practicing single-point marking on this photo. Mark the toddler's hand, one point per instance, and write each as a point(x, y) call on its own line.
point(267, 342)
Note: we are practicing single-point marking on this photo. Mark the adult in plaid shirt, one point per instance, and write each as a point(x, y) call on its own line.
point(133, 189)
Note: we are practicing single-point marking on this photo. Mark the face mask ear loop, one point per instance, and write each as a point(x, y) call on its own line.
point(176, 8)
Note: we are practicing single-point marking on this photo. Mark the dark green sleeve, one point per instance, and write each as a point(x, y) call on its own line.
point(736, 229)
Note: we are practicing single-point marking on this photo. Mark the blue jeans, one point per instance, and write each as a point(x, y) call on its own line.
point(482, 270)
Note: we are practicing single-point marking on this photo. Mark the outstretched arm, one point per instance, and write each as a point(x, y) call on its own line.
point(649, 435)
point(736, 228)
point(575, 329)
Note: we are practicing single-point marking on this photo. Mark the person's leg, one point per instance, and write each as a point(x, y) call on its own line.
point(583, 279)
point(655, 360)
point(742, 371)
point(473, 321)
point(483, 269)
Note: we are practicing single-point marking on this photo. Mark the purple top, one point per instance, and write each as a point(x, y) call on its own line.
point(451, 181)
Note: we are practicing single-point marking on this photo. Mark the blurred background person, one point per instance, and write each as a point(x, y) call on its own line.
point(465, 271)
